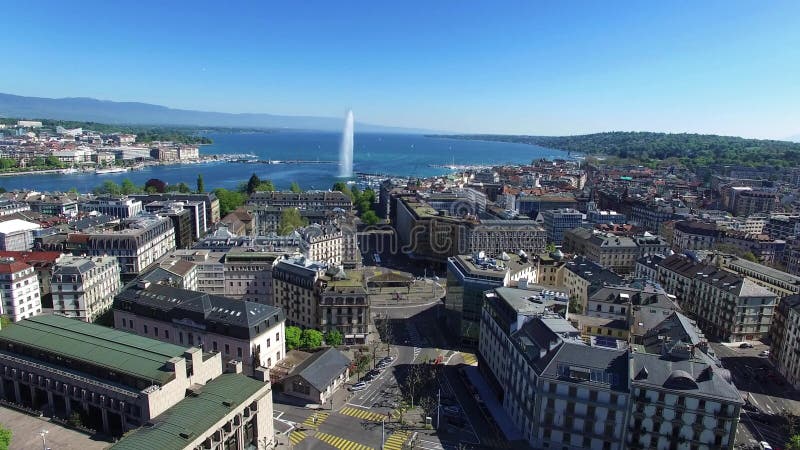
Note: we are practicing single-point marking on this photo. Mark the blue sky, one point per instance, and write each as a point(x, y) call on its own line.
point(727, 67)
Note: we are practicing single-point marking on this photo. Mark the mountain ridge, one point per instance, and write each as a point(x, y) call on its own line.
point(140, 113)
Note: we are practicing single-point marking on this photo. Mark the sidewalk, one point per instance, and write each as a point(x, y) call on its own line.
point(494, 406)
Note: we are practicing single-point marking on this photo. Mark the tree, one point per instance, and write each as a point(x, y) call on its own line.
point(794, 443)
point(384, 327)
point(370, 218)
point(155, 185)
point(229, 200)
point(295, 187)
point(53, 161)
point(128, 187)
point(252, 184)
point(108, 187)
point(201, 186)
point(184, 188)
point(428, 405)
point(5, 322)
point(311, 338)
point(361, 363)
point(291, 220)
point(7, 163)
point(575, 306)
point(414, 381)
point(750, 256)
point(293, 337)
point(5, 438)
point(266, 186)
point(342, 187)
point(37, 162)
point(334, 338)
point(550, 248)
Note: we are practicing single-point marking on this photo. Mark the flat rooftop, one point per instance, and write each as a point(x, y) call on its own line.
point(179, 426)
point(94, 344)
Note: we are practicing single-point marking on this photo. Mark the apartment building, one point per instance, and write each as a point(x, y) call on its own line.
point(122, 207)
point(17, 235)
point(237, 329)
point(19, 297)
point(618, 253)
point(324, 243)
point(84, 287)
point(145, 240)
point(248, 274)
point(726, 305)
point(785, 336)
point(497, 236)
point(468, 277)
point(582, 277)
point(174, 272)
point(344, 305)
point(210, 269)
point(266, 207)
point(295, 290)
point(558, 221)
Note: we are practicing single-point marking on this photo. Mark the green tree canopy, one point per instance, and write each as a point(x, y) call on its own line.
point(155, 185)
point(53, 161)
point(229, 200)
point(293, 337)
point(794, 443)
point(291, 220)
point(5, 438)
point(334, 338)
point(128, 187)
point(252, 184)
point(295, 187)
point(7, 163)
point(311, 338)
point(108, 187)
point(201, 185)
point(370, 218)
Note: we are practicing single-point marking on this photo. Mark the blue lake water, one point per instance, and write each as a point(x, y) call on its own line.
point(391, 154)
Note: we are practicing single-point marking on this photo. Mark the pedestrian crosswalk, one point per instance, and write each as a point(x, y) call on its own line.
point(314, 420)
point(296, 436)
point(396, 440)
point(469, 358)
point(362, 414)
point(340, 443)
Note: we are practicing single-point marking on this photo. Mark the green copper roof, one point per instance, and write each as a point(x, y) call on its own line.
point(72, 339)
point(193, 416)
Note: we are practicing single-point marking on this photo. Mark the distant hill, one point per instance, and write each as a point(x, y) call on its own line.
point(104, 111)
point(694, 150)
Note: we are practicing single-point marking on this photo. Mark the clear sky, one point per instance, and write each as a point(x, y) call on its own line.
point(527, 67)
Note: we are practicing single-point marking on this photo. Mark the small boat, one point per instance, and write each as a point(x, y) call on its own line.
point(111, 170)
point(68, 171)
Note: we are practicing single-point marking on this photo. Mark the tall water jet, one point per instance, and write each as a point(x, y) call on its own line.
point(346, 149)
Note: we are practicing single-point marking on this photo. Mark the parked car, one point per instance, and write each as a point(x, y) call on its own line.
point(452, 409)
point(358, 386)
point(388, 359)
point(745, 345)
point(764, 353)
point(764, 445)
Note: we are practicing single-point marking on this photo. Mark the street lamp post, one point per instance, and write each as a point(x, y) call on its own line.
point(43, 433)
point(438, 406)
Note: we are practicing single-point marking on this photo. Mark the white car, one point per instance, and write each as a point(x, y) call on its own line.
point(358, 386)
point(764, 353)
point(764, 445)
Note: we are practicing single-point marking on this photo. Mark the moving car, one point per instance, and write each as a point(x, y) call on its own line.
point(745, 345)
point(358, 386)
point(764, 353)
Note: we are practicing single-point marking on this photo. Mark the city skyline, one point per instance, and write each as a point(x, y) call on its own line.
point(721, 68)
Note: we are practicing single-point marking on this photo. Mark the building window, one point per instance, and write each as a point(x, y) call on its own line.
point(238, 352)
point(277, 337)
point(155, 331)
point(145, 328)
point(166, 334)
point(268, 342)
point(124, 323)
point(227, 349)
point(214, 345)
point(180, 337)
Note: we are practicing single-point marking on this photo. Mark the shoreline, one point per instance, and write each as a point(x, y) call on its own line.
point(129, 169)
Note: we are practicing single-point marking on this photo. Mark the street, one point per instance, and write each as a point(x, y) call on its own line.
point(768, 397)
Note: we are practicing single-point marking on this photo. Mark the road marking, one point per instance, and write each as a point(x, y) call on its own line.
point(396, 440)
point(361, 414)
point(469, 358)
point(296, 436)
point(340, 443)
point(313, 421)
point(429, 445)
